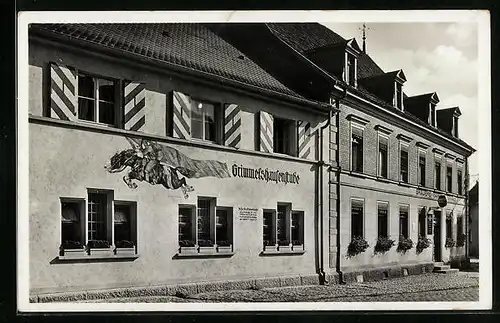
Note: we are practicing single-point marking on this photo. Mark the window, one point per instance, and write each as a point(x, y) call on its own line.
point(432, 115)
point(460, 228)
point(437, 175)
point(96, 99)
point(403, 164)
point(71, 221)
point(459, 181)
point(403, 221)
point(283, 226)
point(455, 127)
point(449, 179)
point(421, 221)
point(357, 218)
point(399, 96)
point(100, 226)
point(186, 227)
point(383, 223)
point(96, 220)
point(284, 136)
point(124, 221)
point(206, 224)
point(357, 150)
point(382, 156)
point(448, 225)
point(421, 168)
point(203, 121)
point(351, 70)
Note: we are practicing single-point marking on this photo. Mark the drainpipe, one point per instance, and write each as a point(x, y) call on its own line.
point(467, 211)
point(320, 164)
point(339, 170)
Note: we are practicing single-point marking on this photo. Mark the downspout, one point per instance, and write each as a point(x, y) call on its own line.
point(320, 164)
point(339, 171)
point(467, 211)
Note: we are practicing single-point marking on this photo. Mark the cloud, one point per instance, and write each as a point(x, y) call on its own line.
point(462, 34)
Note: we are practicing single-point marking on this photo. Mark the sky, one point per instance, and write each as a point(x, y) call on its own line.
point(435, 57)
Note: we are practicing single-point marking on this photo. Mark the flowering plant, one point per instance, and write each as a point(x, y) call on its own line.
point(383, 245)
point(450, 243)
point(461, 239)
point(404, 244)
point(357, 246)
point(423, 243)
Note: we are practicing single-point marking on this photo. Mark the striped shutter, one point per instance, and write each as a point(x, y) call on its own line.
point(181, 115)
point(232, 125)
point(304, 139)
point(266, 132)
point(63, 92)
point(134, 104)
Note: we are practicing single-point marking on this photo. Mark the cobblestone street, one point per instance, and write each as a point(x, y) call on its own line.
point(461, 286)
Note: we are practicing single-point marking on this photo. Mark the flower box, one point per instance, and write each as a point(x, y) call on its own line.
point(188, 250)
point(298, 247)
point(73, 253)
point(206, 249)
point(285, 248)
point(101, 252)
point(125, 251)
point(225, 249)
point(271, 248)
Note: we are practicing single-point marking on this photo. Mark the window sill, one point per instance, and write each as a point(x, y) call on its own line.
point(282, 252)
point(406, 184)
point(213, 254)
point(97, 258)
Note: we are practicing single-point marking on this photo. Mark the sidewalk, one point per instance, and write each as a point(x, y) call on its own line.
point(461, 286)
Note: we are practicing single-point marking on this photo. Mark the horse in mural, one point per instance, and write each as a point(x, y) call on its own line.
point(158, 164)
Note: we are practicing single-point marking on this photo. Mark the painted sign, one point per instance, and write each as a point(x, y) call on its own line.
point(247, 214)
point(159, 164)
point(436, 196)
point(266, 174)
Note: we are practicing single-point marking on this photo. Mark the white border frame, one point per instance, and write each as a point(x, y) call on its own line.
point(484, 89)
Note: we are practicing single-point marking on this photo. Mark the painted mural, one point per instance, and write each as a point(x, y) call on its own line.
point(159, 164)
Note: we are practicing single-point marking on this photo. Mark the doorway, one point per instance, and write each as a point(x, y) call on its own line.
point(437, 236)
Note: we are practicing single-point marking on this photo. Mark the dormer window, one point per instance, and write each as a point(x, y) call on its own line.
point(432, 114)
point(398, 97)
point(455, 127)
point(350, 70)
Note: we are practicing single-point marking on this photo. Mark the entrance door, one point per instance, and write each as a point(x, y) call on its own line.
point(437, 236)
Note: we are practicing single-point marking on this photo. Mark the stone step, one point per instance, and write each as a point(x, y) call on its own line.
point(442, 267)
point(439, 263)
point(446, 271)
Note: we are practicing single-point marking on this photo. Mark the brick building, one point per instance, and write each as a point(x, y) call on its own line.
point(185, 153)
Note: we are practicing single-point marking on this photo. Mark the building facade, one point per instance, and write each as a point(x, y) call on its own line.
point(185, 153)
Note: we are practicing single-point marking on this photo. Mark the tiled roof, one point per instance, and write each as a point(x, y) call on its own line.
point(188, 45)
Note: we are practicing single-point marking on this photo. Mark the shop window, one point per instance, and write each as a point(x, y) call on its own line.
point(421, 221)
point(204, 118)
point(421, 168)
point(382, 156)
point(437, 175)
point(382, 215)
point(357, 207)
point(403, 169)
point(283, 226)
point(403, 220)
point(449, 179)
point(205, 224)
point(357, 150)
point(284, 132)
point(124, 223)
point(97, 99)
point(459, 182)
point(72, 211)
